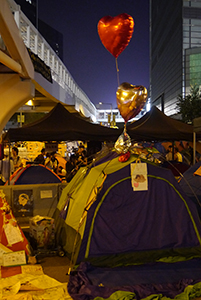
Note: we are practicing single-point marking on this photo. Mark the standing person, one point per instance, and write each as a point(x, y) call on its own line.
point(188, 154)
point(17, 162)
point(170, 156)
point(71, 168)
point(178, 155)
point(82, 160)
point(48, 161)
point(6, 167)
point(40, 159)
point(81, 156)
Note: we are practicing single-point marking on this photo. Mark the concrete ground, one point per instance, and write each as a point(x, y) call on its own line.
point(55, 267)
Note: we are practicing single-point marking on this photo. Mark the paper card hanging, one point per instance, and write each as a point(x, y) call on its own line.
point(139, 179)
point(13, 234)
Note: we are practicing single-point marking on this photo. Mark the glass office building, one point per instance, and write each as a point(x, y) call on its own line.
point(175, 50)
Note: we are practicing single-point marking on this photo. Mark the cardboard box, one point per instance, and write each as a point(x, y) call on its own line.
point(42, 230)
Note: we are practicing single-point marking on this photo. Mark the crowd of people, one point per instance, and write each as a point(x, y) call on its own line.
point(11, 162)
point(8, 165)
point(48, 159)
point(79, 158)
point(184, 154)
point(76, 160)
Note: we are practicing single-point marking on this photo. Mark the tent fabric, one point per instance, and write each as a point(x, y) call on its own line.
point(33, 174)
point(191, 185)
point(129, 240)
point(61, 125)
point(149, 281)
point(155, 125)
point(176, 167)
point(197, 124)
point(149, 232)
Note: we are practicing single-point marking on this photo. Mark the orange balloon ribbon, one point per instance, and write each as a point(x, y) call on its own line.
point(116, 32)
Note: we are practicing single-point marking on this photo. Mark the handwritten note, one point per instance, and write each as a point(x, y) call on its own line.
point(13, 234)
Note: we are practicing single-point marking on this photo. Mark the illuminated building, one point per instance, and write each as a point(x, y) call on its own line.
point(175, 50)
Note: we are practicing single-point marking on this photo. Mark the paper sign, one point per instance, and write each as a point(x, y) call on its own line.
point(13, 234)
point(3, 250)
point(23, 203)
point(32, 269)
point(51, 147)
point(46, 194)
point(14, 258)
point(139, 176)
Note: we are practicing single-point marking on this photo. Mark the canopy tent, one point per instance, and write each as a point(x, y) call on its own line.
point(155, 125)
point(197, 132)
point(197, 124)
point(61, 125)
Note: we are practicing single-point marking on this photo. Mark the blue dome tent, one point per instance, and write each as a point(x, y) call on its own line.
point(128, 243)
point(191, 185)
point(33, 174)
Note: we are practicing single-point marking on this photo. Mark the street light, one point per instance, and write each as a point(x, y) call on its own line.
point(100, 103)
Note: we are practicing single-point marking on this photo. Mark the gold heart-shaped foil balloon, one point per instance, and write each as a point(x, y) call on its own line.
point(130, 100)
point(115, 32)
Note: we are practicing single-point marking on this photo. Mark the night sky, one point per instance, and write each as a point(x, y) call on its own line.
point(90, 64)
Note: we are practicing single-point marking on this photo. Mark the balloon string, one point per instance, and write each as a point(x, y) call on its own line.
point(117, 71)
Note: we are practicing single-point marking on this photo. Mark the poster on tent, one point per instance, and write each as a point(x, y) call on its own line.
point(23, 203)
point(139, 176)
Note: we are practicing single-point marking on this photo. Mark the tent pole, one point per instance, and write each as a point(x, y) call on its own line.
point(172, 150)
point(9, 157)
point(194, 147)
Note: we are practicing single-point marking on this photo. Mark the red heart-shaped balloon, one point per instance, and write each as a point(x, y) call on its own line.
point(115, 32)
